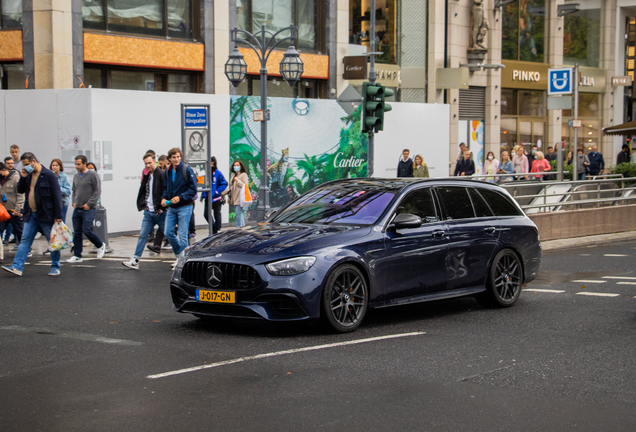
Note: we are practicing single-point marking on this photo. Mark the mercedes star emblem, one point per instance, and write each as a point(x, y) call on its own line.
point(214, 276)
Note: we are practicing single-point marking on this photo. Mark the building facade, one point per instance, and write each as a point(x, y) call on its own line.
point(497, 90)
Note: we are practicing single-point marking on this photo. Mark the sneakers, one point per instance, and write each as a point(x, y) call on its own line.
point(12, 270)
point(192, 235)
point(166, 245)
point(74, 259)
point(174, 264)
point(101, 251)
point(38, 235)
point(132, 264)
point(30, 254)
point(54, 272)
point(155, 249)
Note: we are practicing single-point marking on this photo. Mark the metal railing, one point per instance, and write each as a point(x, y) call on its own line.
point(539, 195)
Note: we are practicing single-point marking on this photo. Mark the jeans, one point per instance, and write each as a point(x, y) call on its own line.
point(216, 211)
point(150, 220)
point(83, 223)
point(240, 217)
point(582, 176)
point(180, 216)
point(29, 230)
point(16, 223)
point(64, 211)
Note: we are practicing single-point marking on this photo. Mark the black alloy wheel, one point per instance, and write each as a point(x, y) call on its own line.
point(345, 299)
point(504, 280)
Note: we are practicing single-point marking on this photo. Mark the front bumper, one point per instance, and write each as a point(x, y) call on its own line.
point(275, 298)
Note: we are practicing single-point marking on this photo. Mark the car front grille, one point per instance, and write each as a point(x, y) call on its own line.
point(227, 276)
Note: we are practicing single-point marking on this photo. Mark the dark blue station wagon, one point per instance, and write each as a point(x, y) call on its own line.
point(350, 245)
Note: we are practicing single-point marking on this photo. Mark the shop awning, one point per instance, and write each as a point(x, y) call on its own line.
point(628, 128)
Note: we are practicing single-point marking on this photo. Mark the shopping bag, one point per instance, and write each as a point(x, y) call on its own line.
point(61, 237)
point(246, 196)
point(4, 214)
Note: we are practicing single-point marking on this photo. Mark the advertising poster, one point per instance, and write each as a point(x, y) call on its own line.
point(309, 142)
point(476, 144)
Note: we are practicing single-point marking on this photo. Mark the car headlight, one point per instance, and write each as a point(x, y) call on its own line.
point(291, 266)
point(183, 257)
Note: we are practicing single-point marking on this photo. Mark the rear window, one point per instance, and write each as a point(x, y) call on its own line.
point(499, 203)
point(455, 203)
point(480, 206)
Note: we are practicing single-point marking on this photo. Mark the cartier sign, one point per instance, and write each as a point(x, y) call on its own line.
point(355, 68)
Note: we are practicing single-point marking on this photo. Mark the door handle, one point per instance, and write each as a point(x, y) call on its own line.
point(438, 233)
point(490, 230)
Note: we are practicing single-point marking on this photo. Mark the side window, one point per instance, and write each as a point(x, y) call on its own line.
point(499, 204)
point(419, 203)
point(480, 206)
point(455, 203)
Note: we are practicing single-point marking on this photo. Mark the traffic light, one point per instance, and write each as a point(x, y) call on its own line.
point(374, 107)
point(371, 105)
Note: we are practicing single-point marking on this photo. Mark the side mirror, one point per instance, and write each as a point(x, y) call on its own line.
point(406, 220)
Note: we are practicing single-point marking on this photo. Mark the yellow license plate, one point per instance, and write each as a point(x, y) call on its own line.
point(216, 296)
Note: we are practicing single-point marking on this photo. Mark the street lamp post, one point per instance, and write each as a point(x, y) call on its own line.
point(291, 69)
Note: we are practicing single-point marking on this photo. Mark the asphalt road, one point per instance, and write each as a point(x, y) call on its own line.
point(78, 352)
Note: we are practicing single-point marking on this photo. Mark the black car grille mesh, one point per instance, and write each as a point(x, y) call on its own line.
point(233, 276)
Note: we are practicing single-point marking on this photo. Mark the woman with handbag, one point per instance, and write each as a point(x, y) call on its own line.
point(239, 179)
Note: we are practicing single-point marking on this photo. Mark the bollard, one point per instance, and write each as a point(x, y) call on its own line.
point(100, 227)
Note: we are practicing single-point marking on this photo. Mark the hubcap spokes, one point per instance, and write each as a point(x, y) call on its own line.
point(507, 278)
point(347, 299)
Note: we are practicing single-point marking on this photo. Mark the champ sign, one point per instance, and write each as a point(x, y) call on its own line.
point(559, 81)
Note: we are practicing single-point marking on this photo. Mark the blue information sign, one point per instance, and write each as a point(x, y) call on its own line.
point(560, 81)
point(196, 117)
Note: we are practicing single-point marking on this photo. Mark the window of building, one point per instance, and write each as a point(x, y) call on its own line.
point(12, 76)
point(308, 15)
point(168, 18)
point(590, 114)
point(582, 35)
point(385, 27)
point(524, 31)
point(142, 80)
point(523, 119)
point(11, 14)
point(277, 87)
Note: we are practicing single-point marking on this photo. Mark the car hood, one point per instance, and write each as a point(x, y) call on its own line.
point(272, 238)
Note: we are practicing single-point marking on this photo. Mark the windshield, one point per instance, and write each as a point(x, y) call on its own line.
point(339, 205)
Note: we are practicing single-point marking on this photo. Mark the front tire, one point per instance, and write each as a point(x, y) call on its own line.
point(345, 299)
point(504, 282)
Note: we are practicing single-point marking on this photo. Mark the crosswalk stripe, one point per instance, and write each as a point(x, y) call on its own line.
point(545, 290)
point(619, 277)
point(593, 281)
point(597, 294)
point(625, 283)
point(616, 255)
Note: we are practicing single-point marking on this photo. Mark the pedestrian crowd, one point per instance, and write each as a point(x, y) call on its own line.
point(36, 198)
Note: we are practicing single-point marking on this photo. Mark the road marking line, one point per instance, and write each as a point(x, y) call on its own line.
point(70, 335)
point(585, 254)
point(545, 290)
point(278, 353)
point(619, 277)
point(598, 294)
point(593, 281)
point(625, 283)
point(616, 255)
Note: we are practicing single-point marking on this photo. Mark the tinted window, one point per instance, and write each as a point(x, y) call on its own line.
point(499, 204)
point(455, 203)
point(351, 205)
point(480, 206)
point(419, 203)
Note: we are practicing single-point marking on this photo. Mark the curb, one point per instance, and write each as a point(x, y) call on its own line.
point(601, 239)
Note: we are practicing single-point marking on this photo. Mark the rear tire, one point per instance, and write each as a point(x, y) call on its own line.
point(504, 282)
point(345, 299)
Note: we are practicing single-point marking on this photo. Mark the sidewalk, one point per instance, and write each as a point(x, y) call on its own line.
point(124, 246)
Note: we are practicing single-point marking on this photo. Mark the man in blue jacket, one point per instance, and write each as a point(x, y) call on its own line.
point(180, 188)
point(42, 207)
point(217, 186)
point(597, 163)
point(465, 166)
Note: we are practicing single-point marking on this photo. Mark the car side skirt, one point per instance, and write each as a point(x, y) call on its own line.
point(462, 292)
